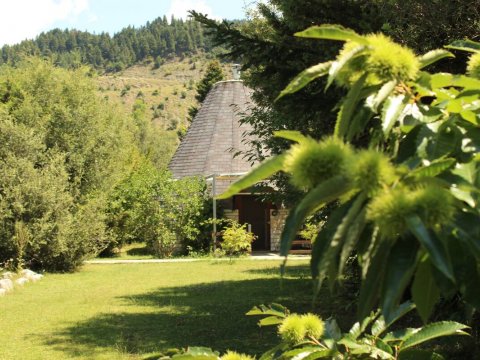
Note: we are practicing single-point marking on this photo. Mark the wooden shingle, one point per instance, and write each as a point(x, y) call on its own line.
point(215, 134)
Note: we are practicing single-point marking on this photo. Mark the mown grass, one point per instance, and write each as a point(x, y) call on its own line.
point(134, 311)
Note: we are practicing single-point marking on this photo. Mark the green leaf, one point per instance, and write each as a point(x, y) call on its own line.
point(380, 325)
point(467, 171)
point(272, 309)
point(433, 245)
point(392, 110)
point(466, 269)
point(275, 352)
point(425, 293)
point(359, 121)
point(332, 330)
point(454, 106)
point(440, 80)
point(261, 172)
point(305, 77)
point(323, 239)
point(328, 264)
point(310, 353)
point(383, 346)
point(463, 195)
point(349, 108)
point(339, 64)
point(373, 279)
point(466, 82)
point(447, 140)
point(271, 320)
point(383, 94)
point(398, 335)
point(332, 32)
point(433, 56)
point(358, 348)
point(398, 273)
point(325, 192)
point(465, 45)
point(470, 116)
point(324, 353)
point(443, 80)
point(350, 342)
point(351, 239)
point(433, 169)
point(291, 135)
point(433, 331)
point(469, 232)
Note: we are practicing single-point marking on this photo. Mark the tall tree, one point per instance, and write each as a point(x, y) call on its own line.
point(213, 74)
point(105, 52)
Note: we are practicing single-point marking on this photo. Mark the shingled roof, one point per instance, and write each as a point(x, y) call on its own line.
point(215, 134)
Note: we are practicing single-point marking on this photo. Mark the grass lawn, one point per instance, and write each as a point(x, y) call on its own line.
point(134, 311)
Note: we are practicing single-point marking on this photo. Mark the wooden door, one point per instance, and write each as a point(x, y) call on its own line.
point(257, 214)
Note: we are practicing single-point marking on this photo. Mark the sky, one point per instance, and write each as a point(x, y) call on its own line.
point(25, 19)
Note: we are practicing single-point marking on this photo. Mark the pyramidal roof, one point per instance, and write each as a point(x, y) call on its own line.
point(215, 134)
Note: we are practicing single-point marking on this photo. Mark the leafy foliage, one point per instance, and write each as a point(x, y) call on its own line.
point(271, 57)
point(62, 150)
point(307, 336)
point(411, 203)
point(236, 239)
point(213, 74)
point(310, 229)
point(149, 206)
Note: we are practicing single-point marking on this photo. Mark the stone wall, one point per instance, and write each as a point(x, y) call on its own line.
point(277, 222)
point(231, 214)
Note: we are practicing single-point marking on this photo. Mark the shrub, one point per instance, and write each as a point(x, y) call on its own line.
point(164, 243)
point(236, 239)
point(148, 206)
point(63, 149)
point(310, 229)
point(159, 61)
point(173, 124)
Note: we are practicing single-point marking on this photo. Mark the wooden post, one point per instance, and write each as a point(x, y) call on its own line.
point(214, 235)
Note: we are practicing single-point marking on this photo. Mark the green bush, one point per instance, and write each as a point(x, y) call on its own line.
point(149, 206)
point(62, 149)
point(236, 239)
point(311, 229)
point(165, 242)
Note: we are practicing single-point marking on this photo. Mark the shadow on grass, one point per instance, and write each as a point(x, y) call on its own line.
point(291, 270)
point(141, 250)
point(208, 314)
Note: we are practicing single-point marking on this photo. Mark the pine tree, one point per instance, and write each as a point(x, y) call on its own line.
point(213, 74)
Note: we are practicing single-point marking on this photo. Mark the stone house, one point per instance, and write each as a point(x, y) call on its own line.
point(208, 149)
